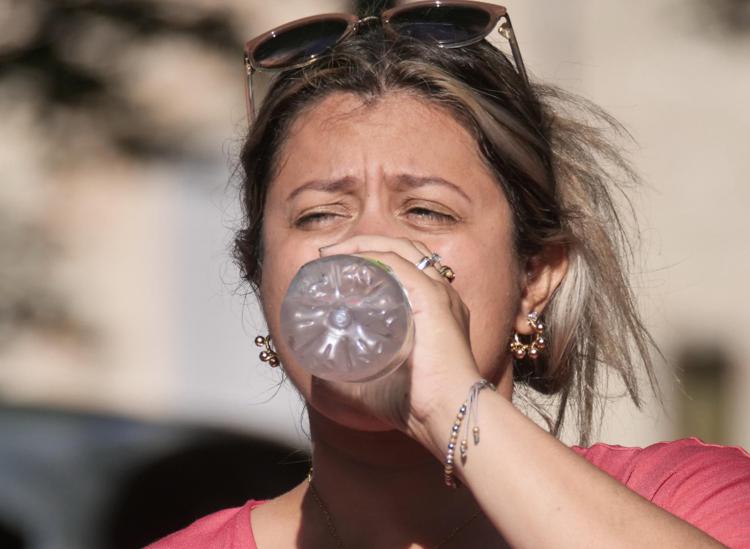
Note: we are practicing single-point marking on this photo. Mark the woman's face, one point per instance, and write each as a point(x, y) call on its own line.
point(399, 167)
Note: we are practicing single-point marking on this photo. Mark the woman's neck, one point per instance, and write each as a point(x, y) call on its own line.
point(367, 480)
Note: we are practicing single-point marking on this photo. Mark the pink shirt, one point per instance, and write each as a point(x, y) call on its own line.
point(227, 529)
point(705, 484)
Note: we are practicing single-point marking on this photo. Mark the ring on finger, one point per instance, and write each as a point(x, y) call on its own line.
point(428, 261)
point(447, 273)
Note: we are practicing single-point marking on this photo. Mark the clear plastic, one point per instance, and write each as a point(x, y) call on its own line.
point(346, 318)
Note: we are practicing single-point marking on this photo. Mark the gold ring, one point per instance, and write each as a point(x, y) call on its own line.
point(447, 273)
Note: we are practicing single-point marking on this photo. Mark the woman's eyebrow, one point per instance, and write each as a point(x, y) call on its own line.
point(407, 181)
point(342, 184)
point(402, 181)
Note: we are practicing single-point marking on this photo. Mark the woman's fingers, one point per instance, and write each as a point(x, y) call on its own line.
point(412, 250)
point(426, 291)
point(365, 242)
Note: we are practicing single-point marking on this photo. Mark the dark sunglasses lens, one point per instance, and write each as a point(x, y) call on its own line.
point(299, 44)
point(443, 24)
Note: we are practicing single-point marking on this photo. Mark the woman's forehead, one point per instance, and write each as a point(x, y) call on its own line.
point(396, 114)
point(399, 133)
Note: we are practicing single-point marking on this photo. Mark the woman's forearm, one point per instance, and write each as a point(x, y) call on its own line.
point(539, 493)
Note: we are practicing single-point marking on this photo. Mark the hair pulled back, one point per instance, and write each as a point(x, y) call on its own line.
point(552, 156)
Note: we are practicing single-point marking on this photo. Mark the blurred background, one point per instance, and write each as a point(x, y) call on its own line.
point(128, 373)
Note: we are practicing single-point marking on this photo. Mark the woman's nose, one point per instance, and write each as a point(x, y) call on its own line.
point(376, 221)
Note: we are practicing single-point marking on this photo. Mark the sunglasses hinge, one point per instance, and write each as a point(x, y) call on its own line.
point(505, 30)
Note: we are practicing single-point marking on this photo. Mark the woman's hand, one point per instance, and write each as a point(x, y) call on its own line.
point(441, 356)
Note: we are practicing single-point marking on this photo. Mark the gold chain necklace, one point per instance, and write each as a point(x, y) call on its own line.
point(337, 538)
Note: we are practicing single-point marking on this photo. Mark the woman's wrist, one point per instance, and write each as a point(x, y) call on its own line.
point(431, 426)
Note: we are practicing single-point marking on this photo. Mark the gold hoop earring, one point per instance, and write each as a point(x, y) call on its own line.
point(534, 348)
point(269, 354)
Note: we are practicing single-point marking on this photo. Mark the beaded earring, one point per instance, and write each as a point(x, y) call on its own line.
point(534, 348)
point(269, 354)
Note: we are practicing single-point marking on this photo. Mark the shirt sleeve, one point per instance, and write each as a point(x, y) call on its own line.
point(226, 529)
point(706, 485)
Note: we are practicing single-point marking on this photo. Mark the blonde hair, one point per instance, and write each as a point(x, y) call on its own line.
point(552, 154)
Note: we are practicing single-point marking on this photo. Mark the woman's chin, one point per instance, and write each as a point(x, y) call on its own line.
point(331, 406)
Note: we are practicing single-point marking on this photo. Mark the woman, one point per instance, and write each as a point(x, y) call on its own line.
point(392, 148)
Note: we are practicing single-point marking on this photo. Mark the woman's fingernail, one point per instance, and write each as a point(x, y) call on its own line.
point(322, 249)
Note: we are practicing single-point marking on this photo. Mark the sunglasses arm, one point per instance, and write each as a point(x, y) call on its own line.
point(249, 103)
point(506, 30)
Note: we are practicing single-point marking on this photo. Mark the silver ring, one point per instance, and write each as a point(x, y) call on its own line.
point(427, 261)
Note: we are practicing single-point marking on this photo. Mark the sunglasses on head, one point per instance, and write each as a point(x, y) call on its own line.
point(447, 24)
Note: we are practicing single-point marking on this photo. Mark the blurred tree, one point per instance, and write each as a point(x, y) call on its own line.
point(65, 62)
point(730, 17)
point(70, 49)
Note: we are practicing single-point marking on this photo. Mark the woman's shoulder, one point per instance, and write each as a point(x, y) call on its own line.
point(225, 529)
point(707, 485)
point(685, 458)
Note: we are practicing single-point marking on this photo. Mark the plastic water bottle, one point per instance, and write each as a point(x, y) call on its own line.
point(346, 318)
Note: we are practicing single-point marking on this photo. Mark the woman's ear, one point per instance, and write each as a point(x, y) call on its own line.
point(544, 273)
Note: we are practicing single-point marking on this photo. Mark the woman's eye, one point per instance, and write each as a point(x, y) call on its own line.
point(314, 218)
point(430, 215)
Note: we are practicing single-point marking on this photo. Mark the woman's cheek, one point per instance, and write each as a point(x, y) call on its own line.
point(492, 296)
point(279, 268)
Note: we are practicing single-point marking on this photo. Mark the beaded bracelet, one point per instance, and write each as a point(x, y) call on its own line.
point(470, 410)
